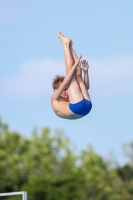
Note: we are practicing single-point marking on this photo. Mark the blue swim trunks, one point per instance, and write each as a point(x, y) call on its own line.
point(81, 108)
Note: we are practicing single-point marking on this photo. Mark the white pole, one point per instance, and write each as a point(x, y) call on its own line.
point(24, 194)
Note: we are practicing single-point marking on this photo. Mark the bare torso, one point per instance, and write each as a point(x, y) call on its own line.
point(61, 108)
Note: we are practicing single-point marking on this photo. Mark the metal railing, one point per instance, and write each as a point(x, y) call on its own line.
point(24, 194)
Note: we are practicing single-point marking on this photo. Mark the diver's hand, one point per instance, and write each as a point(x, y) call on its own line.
point(84, 65)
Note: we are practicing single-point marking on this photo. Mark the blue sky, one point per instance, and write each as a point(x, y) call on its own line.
point(31, 55)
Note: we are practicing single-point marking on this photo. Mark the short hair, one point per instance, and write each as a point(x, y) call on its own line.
point(57, 81)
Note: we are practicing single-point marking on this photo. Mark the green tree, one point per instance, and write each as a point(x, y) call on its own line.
point(100, 182)
point(47, 168)
point(13, 149)
point(125, 172)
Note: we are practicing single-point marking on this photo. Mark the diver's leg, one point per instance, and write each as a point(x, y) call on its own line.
point(75, 57)
point(73, 89)
point(78, 73)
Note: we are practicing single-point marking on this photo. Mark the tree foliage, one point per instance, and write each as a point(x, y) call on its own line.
point(46, 167)
point(125, 172)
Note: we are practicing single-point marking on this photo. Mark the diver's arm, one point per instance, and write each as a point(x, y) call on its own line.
point(66, 81)
point(85, 66)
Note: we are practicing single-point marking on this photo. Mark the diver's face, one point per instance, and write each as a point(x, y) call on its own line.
point(64, 95)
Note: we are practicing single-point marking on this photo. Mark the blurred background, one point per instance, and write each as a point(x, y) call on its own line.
point(50, 157)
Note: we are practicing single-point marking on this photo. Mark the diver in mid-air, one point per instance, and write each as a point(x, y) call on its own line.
point(71, 99)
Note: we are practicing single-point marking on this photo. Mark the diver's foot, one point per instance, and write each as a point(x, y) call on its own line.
point(64, 39)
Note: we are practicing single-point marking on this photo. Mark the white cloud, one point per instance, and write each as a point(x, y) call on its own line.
point(108, 76)
point(112, 75)
point(32, 79)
